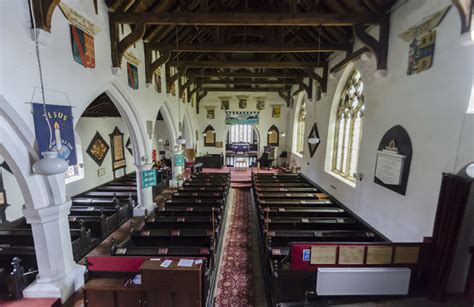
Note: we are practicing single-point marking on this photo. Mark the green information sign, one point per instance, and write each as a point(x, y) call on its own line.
point(179, 160)
point(149, 178)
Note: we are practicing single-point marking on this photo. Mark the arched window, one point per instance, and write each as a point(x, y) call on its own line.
point(348, 130)
point(241, 133)
point(301, 117)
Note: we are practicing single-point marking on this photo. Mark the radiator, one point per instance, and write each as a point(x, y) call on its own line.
point(363, 281)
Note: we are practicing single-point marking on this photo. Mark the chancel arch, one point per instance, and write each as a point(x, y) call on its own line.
point(242, 142)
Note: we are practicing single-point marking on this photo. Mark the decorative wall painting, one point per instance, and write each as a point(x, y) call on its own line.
point(132, 76)
point(157, 77)
point(83, 50)
point(422, 38)
point(82, 35)
point(276, 111)
point(98, 149)
point(421, 52)
point(210, 113)
point(225, 105)
point(242, 102)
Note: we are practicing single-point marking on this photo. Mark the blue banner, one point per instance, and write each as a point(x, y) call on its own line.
point(56, 128)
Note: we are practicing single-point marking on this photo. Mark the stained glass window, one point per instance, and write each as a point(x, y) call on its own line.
point(300, 125)
point(348, 128)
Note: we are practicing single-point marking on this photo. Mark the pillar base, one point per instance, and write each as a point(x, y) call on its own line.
point(139, 211)
point(176, 183)
point(62, 287)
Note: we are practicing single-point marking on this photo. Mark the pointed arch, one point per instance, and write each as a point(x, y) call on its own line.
point(188, 130)
point(131, 117)
point(168, 119)
point(17, 147)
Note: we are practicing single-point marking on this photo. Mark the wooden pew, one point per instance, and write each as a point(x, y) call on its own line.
point(199, 195)
point(108, 195)
point(167, 237)
point(189, 222)
point(312, 223)
point(188, 211)
point(272, 212)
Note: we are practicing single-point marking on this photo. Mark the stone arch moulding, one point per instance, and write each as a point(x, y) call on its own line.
point(168, 119)
point(132, 119)
point(43, 13)
point(190, 141)
point(17, 146)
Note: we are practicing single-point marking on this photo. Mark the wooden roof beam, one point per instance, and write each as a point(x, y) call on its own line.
point(246, 64)
point(255, 48)
point(247, 19)
point(252, 82)
point(223, 74)
point(250, 89)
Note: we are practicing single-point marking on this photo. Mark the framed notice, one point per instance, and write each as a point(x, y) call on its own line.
point(209, 137)
point(379, 254)
point(351, 255)
point(406, 254)
point(323, 255)
point(118, 154)
point(149, 178)
point(273, 138)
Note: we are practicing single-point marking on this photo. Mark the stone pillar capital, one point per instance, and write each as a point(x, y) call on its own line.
point(47, 214)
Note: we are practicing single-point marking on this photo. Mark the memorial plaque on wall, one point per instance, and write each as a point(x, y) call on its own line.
point(323, 254)
point(97, 149)
point(406, 254)
point(393, 160)
point(379, 254)
point(353, 255)
point(118, 155)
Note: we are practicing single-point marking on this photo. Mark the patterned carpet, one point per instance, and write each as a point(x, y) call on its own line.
point(234, 286)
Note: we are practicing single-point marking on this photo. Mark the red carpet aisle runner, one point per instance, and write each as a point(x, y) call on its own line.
point(234, 286)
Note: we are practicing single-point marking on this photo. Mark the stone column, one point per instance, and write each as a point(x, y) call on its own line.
point(177, 167)
point(144, 196)
point(59, 275)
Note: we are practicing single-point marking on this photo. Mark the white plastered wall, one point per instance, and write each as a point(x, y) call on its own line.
point(431, 106)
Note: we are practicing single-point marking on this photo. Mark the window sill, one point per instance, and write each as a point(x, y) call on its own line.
point(297, 154)
point(74, 179)
point(349, 182)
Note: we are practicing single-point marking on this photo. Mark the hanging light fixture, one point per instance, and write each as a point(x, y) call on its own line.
point(315, 140)
point(50, 164)
point(180, 140)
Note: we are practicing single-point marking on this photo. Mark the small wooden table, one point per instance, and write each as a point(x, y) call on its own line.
point(173, 285)
point(241, 165)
